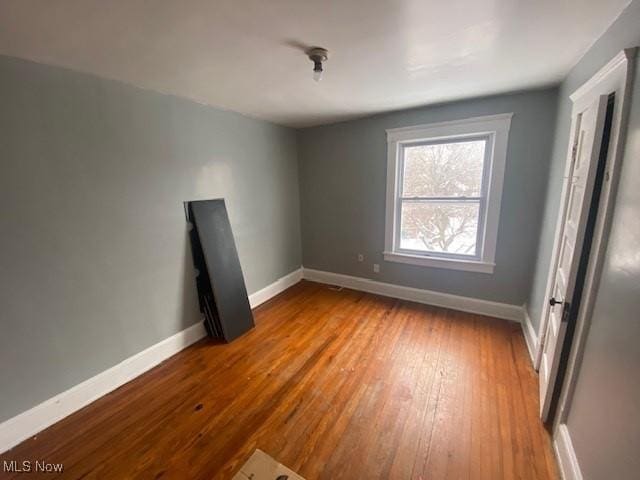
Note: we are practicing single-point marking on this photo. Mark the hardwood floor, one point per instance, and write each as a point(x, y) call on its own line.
point(333, 384)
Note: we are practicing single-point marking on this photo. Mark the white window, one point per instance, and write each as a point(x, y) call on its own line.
point(444, 185)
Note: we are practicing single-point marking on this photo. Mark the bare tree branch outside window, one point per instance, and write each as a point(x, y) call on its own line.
point(441, 187)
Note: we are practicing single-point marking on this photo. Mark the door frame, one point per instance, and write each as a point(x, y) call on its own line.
point(615, 77)
point(586, 161)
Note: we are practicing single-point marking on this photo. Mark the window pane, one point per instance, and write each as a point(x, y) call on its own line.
point(444, 169)
point(439, 227)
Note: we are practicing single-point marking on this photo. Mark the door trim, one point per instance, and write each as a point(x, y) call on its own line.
point(615, 77)
point(587, 160)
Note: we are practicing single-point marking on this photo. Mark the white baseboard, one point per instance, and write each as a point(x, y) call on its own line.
point(567, 460)
point(530, 335)
point(438, 299)
point(36, 419)
point(275, 288)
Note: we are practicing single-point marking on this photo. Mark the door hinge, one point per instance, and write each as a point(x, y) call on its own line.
point(574, 151)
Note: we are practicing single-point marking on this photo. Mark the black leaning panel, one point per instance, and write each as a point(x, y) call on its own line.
point(225, 274)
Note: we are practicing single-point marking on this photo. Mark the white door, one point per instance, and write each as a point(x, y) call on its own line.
point(578, 189)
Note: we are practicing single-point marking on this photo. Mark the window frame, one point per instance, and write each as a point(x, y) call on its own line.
point(494, 129)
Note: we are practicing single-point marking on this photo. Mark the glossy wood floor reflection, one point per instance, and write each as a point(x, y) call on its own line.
point(333, 384)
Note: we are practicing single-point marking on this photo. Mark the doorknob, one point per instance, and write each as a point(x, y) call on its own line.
point(553, 302)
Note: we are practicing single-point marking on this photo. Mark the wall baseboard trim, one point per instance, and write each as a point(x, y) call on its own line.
point(567, 460)
point(36, 419)
point(530, 335)
point(279, 286)
point(29, 423)
point(455, 302)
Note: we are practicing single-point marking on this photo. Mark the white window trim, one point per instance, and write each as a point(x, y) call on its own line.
point(496, 127)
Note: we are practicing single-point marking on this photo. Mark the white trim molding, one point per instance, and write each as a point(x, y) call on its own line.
point(461, 126)
point(566, 455)
point(530, 335)
point(491, 129)
point(621, 60)
point(429, 297)
point(467, 265)
point(36, 419)
point(279, 286)
point(615, 77)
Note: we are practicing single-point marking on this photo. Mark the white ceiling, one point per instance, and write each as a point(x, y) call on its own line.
point(245, 55)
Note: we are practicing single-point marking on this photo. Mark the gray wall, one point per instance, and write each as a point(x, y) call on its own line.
point(94, 260)
point(603, 418)
point(343, 185)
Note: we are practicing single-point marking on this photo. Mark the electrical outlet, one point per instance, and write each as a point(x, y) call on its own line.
point(360, 257)
point(376, 268)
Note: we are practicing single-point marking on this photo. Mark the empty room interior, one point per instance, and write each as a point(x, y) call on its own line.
point(295, 240)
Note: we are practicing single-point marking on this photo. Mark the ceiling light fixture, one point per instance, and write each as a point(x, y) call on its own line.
point(317, 55)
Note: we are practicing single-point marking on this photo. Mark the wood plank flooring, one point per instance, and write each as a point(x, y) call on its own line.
point(333, 384)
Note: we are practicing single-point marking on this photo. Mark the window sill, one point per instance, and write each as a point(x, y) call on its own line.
point(451, 264)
